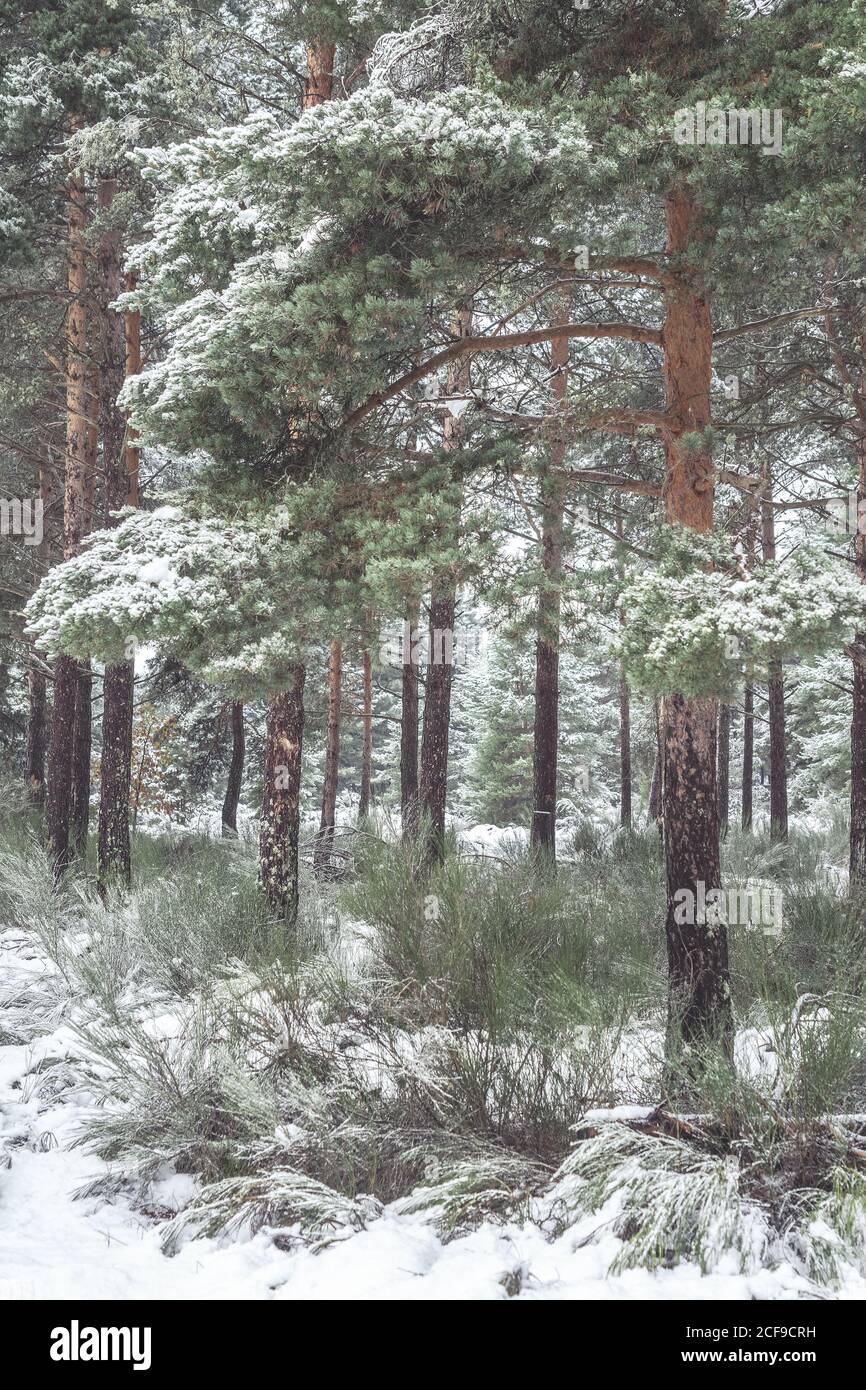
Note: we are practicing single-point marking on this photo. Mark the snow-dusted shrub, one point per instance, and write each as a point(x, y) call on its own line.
point(277, 1198)
point(672, 1201)
point(29, 899)
point(487, 1186)
point(834, 1228)
point(183, 1099)
point(522, 1089)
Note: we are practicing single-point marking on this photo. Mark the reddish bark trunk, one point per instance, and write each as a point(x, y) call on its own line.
point(319, 85)
point(699, 985)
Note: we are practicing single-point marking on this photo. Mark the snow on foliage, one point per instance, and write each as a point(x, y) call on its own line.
point(700, 622)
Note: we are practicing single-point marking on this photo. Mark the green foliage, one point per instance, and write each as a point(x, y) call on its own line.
point(701, 623)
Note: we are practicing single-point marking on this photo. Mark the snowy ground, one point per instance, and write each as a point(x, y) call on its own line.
point(55, 1246)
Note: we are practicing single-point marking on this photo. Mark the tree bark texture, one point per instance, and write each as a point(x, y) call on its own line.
point(433, 789)
point(409, 802)
point(81, 746)
point(280, 828)
point(545, 742)
point(724, 769)
point(775, 691)
point(58, 806)
point(748, 755)
point(367, 741)
point(699, 985)
point(236, 773)
point(325, 838)
point(120, 357)
point(857, 856)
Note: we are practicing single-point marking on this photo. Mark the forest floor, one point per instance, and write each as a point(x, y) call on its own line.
point(94, 1219)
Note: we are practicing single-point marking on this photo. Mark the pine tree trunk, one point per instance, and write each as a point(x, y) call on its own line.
point(625, 812)
point(748, 754)
point(367, 748)
point(545, 750)
point(325, 838)
point(280, 830)
point(655, 797)
point(857, 856)
point(545, 742)
point(113, 847)
point(236, 774)
point(132, 366)
point(81, 744)
point(858, 773)
point(34, 758)
point(433, 786)
point(724, 767)
point(93, 408)
point(699, 985)
point(82, 738)
point(409, 797)
point(59, 796)
point(319, 85)
point(37, 708)
point(775, 691)
point(700, 1005)
point(437, 717)
point(778, 755)
point(120, 357)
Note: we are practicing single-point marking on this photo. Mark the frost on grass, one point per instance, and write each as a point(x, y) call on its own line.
point(461, 1086)
point(282, 1198)
point(673, 1201)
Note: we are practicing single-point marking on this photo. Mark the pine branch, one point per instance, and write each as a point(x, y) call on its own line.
point(761, 325)
point(502, 342)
